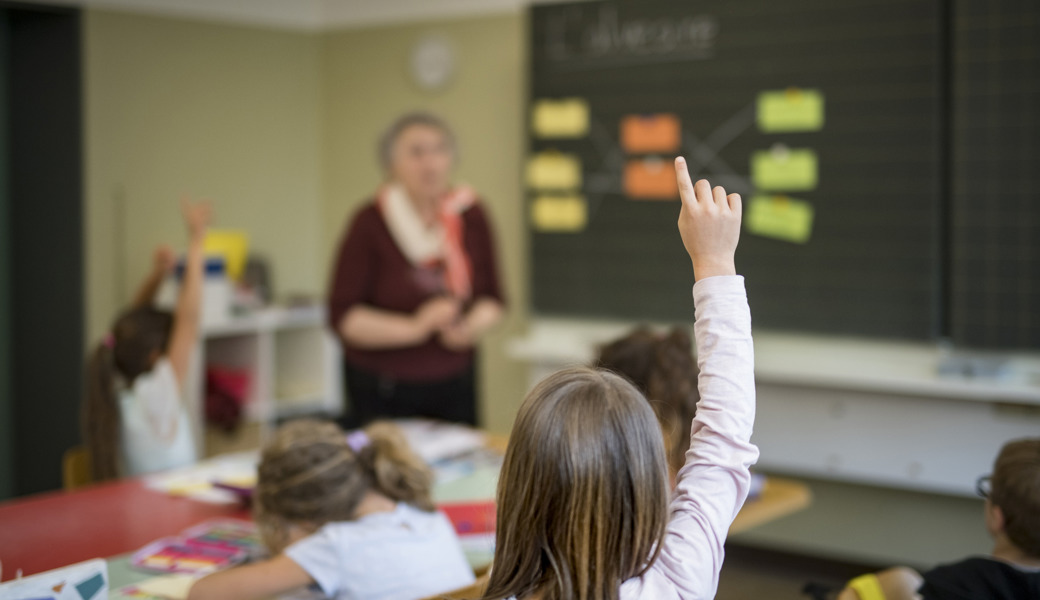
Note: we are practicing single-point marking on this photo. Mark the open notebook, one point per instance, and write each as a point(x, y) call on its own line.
point(82, 581)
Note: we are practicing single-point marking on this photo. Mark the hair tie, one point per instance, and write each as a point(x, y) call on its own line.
point(109, 341)
point(358, 440)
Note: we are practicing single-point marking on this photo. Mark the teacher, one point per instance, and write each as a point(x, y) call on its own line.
point(415, 285)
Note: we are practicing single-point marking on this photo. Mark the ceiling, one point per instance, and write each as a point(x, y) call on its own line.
point(312, 15)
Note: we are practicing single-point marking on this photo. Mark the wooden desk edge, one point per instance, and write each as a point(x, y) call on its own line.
point(780, 497)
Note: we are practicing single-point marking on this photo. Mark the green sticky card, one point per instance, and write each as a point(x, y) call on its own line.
point(792, 109)
point(784, 170)
point(780, 217)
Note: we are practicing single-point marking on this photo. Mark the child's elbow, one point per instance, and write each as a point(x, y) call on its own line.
point(203, 590)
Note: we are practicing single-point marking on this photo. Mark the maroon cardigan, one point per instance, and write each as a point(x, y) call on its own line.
point(370, 269)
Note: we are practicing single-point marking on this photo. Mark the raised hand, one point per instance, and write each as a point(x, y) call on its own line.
point(197, 216)
point(709, 224)
point(163, 259)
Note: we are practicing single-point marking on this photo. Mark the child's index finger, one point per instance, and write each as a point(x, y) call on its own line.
point(682, 174)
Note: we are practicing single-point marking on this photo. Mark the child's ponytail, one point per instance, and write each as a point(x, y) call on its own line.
point(311, 473)
point(101, 417)
point(396, 471)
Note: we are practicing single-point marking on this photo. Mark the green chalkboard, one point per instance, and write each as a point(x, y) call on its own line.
point(869, 263)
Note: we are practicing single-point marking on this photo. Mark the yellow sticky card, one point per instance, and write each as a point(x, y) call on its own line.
point(231, 244)
point(559, 214)
point(780, 217)
point(554, 171)
point(563, 118)
point(792, 109)
point(782, 169)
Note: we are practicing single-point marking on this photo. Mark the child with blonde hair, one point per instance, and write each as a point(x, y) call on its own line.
point(584, 506)
point(349, 513)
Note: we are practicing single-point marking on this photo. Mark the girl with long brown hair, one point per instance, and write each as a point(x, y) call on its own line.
point(134, 418)
point(350, 513)
point(583, 500)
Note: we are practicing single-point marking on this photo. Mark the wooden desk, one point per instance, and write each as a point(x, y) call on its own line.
point(779, 498)
point(51, 530)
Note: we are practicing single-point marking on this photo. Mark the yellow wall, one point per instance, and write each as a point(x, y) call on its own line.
point(367, 84)
point(172, 107)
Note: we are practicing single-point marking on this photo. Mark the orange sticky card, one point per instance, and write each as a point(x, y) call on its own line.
point(650, 133)
point(650, 179)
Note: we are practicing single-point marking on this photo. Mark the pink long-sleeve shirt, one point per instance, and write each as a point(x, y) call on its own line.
point(714, 482)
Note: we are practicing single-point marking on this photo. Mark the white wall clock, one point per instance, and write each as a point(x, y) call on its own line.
point(433, 62)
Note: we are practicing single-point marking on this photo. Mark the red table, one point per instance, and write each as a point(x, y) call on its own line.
point(55, 529)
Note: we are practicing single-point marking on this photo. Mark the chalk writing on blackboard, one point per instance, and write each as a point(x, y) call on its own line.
point(573, 35)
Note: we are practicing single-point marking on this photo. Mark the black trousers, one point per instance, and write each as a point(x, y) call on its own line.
point(373, 397)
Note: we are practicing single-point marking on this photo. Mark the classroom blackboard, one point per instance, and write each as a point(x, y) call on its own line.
point(849, 241)
point(995, 217)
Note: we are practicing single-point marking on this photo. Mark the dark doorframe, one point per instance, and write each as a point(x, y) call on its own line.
point(45, 245)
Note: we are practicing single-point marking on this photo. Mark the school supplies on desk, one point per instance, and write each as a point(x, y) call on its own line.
point(475, 525)
point(177, 555)
point(202, 549)
point(437, 440)
point(227, 533)
point(82, 581)
point(198, 481)
point(164, 587)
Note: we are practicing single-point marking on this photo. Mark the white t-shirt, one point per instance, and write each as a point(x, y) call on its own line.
point(156, 431)
point(400, 555)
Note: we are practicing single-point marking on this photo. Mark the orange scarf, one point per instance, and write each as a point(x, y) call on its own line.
point(442, 242)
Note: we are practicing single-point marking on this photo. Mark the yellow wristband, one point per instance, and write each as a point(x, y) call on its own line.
point(867, 587)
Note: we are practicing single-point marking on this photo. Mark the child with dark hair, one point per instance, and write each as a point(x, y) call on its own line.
point(662, 367)
point(1010, 572)
point(350, 513)
point(134, 418)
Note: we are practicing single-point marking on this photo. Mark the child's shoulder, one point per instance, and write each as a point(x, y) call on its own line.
point(159, 380)
point(404, 517)
point(979, 576)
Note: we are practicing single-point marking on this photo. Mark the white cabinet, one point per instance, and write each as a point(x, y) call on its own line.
point(293, 362)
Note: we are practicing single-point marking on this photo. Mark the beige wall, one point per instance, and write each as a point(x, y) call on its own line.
point(231, 113)
point(367, 84)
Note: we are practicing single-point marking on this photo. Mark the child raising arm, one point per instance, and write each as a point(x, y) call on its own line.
point(583, 507)
point(714, 483)
point(134, 415)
